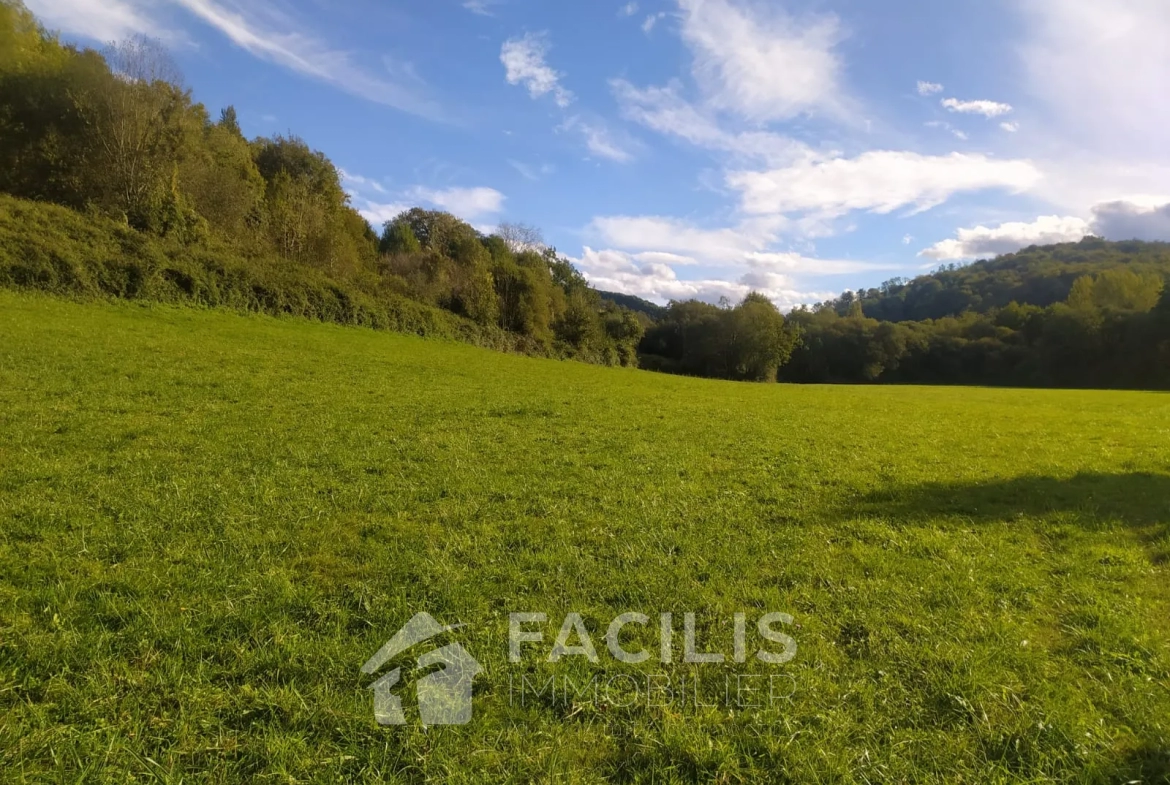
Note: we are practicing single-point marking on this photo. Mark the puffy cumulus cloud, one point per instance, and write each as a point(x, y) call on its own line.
point(985, 108)
point(1142, 219)
point(879, 181)
point(929, 88)
point(763, 64)
point(616, 271)
point(985, 242)
point(524, 64)
point(1132, 221)
point(1011, 128)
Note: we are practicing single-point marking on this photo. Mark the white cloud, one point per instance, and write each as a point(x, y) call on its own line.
point(955, 132)
point(763, 65)
point(664, 110)
point(481, 7)
point(651, 21)
point(105, 21)
point(907, 239)
point(985, 108)
point(300, 52)
point(355, 182)
point(799, 264)
point(1130, 221)
point(629, 9)
point(602, 143)
point(600, 140)
point(661, 257)
point(880, 181)
point(616, 271)
point(986, 242)
point(470, 204)
point(1011, 128)
point(529, 172)
point(929, 88)
point(1140, 219)
point(524, 64)
point(671, 241)
point(378, 213)
point(671, 235)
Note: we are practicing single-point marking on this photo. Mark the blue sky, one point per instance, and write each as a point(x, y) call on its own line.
point(702, 148)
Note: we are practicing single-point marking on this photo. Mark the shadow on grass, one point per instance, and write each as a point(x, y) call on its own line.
point(1147, 764)
point(1140, 500)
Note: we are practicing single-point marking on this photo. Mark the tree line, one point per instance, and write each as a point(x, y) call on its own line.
point(115, 181)
point(187, 207)
point(1087, 314)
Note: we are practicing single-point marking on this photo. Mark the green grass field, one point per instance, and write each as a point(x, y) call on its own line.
point(208, 522)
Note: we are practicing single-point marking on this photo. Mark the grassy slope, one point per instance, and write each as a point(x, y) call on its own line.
point(209, 521)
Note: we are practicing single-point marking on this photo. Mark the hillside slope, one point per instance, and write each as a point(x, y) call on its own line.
point(210, 521)
point(1038, 275)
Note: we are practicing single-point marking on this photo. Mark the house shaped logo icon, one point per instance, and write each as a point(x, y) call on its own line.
point(444, 696)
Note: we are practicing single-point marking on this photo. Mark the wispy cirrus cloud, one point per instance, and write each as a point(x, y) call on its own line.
point(600, 140)
point(107, 21)
point(651, 21)
point(256, 28)
point(480, 7)
point(303, 53)
point(663, 109)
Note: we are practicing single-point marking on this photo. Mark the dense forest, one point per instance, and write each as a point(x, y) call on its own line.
point(114, 181)
point(1087, 314)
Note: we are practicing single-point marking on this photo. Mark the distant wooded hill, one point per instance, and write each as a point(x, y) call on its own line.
point(634, 303)
point(1038, 275)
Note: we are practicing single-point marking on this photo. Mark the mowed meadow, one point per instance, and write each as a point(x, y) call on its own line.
point(208, 522)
